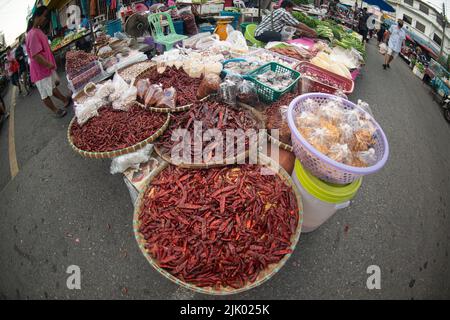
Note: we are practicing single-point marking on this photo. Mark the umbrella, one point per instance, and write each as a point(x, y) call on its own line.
point(383, 5)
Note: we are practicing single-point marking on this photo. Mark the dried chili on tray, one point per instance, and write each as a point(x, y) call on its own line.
point(219, 227)
point(114, 129)
point(185, 86)
point(212, 115)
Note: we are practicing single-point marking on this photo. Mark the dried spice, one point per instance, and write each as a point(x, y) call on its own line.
point(218, 227)
point(78, 62)
point(276, 118)
point(212, 115)
point(114, 129)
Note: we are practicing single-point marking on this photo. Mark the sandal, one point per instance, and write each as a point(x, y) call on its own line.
point(61, 113)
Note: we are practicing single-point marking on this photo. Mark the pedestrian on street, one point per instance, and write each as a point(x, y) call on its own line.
point(397, 36)
point(13, 69)
point(362, 24)
point(42, 62)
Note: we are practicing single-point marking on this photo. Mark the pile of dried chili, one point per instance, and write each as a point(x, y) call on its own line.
point(185, 86)
point(218, 227)
point(213, 115)
point(114, 129)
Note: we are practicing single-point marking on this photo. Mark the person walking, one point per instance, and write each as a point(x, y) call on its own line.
point(42, 62)
point(23, 70)
point(13, 69)
point(397, 36)
point(362, 24)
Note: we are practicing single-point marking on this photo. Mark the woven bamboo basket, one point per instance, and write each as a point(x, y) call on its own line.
point(151, 64)
point(265, 275)
point(240, 158)
point(120, 152)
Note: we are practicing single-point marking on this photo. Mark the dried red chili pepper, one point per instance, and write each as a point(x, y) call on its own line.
point(230, 242)
point(114, 129)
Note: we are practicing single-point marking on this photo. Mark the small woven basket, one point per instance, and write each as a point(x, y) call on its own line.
point(120, 152)
point(263, 276)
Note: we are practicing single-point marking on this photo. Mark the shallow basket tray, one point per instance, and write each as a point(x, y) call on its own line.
point(231, 160)
point(270, 271)
point(120, 152)
point(152, 64)
point(319, 164)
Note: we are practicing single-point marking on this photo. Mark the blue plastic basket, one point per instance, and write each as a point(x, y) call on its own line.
point(179, 26)
point(236, 16)
point(207, 29)
point(113, 26)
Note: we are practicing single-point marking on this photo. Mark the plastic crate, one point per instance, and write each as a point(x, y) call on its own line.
point(293, 63)
point(77, 84)
point(316, 79)
point(179, 26)
point(266, 93)
point(236, 15)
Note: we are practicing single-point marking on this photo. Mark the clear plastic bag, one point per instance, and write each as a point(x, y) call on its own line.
point(346, 132)
point(126, 99)
point(365, 106)
point(132, 160)
point(247, 93)
point(210, 84)
point(369, 157)
point(332, 112)
point(169, 99)
point(154, 93)
point(340, 153)
point(307, 119)
point(88, 109)
point(142, 87)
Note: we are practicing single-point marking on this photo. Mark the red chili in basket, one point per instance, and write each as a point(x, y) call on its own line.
point(186, 86)
point(218, 227)
point(212, 115)
point(114, 129)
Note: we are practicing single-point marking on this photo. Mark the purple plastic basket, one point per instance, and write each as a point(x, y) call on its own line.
point(319, 164)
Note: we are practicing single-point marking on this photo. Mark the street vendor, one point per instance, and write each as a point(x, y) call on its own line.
point(272, 25)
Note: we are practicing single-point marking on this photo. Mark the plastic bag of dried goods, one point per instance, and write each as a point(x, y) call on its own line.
point(169, 99)
point(351, 117)
point(346, 132)
point(307, 119)
point(369, 157)
point(332, 111)
point(365, 106)
point(210, 84)
point(132, 160)
point(154, 94)
point(362, 140)
point(247, 93)
point(319, 136)
point(311, 105)
point(126, 99)
point(276, 118)
point(142, 87)
point(88, 109)
point(228, 92)
point(104, 90)
point(340, 153)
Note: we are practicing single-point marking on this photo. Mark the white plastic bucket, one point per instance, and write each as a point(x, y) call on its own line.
point(321, 200)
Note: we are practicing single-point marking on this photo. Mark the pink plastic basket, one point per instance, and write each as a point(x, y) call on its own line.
point(322, 80)
point(319, 164)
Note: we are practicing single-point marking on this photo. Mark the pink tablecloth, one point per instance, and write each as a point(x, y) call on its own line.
point(307, 42)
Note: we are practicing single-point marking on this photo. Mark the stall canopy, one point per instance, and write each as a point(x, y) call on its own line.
point(383, 5)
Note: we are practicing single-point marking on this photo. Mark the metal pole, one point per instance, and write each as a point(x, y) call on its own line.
point(444, 25)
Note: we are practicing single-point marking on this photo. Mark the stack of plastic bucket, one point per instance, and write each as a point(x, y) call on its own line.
point(321, 200)
point(327, 185)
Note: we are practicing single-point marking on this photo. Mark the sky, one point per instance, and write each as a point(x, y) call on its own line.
point(13, 14)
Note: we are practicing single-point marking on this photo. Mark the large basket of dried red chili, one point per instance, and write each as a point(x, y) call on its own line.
point(205, 119)
point(219, 231)
point(114, 132)
point(185, 86)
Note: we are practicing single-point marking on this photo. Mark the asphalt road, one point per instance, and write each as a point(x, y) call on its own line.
point(62, 210)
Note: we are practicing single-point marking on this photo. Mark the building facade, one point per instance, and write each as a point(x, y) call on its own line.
point(425, 21)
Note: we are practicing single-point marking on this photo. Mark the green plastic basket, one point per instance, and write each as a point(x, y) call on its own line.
point(266, 93)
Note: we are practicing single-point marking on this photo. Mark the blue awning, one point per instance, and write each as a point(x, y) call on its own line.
point(383, 5)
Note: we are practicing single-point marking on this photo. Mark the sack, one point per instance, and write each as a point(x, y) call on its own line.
point(383, 48)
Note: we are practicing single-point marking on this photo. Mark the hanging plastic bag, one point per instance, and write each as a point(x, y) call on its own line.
point(126, 99)
point(142, 87)
point(88, 109)
point(169, 99)
point(247, 93)
point(383, 48)
point(210, 84)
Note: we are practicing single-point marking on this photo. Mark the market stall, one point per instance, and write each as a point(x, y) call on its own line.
point(221, 216)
